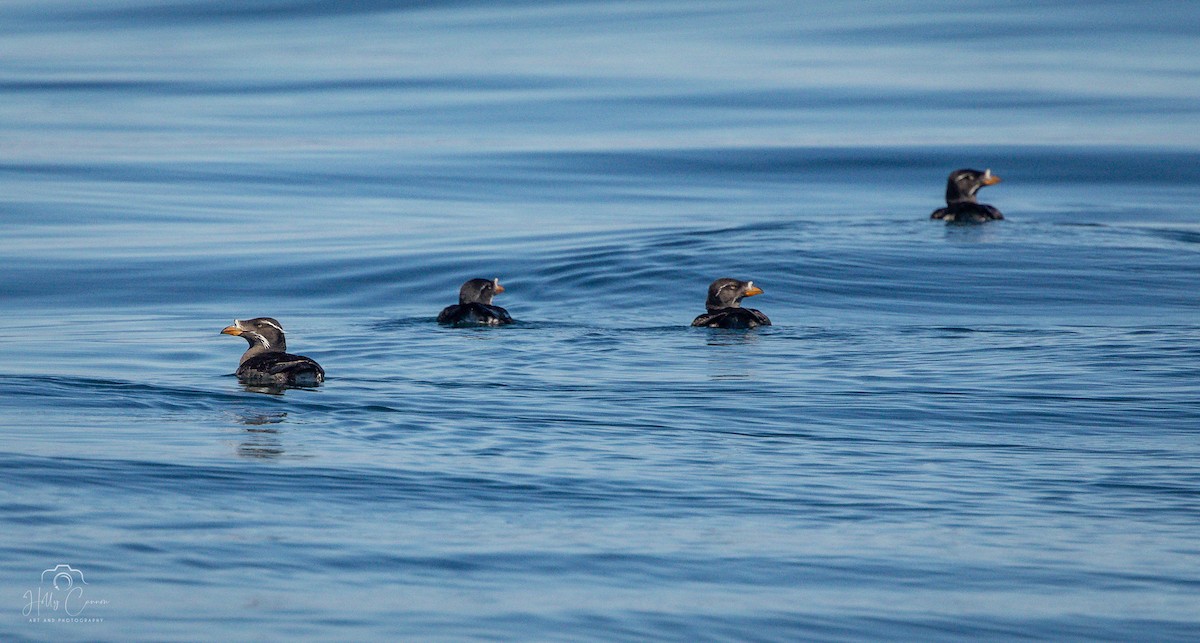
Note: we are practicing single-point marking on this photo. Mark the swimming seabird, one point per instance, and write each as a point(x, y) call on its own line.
point(267, 360)
point(474, 305)
point(724, 306)
point(961, 206)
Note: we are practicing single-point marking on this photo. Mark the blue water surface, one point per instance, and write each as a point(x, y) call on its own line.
point(949, 433)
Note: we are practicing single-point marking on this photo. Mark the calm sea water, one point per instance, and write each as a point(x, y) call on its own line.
point(951, 432)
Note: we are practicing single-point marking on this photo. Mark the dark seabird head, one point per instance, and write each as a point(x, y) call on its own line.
point(479, 291)
point(963, 184)
point(264, 334)
point(728, 293)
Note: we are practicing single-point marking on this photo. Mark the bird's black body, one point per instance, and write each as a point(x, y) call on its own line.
point(474, 307)
point(732, 318)
point(474, 313)
point(281, 369)
point(967, 213)
point(267, 361)
point(724, 305)
point(961, 206)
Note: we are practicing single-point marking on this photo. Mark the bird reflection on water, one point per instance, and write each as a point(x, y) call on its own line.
point(261, 439)
point(733, 363)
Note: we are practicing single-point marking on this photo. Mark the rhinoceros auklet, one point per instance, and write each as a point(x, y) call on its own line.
point(961, 206)
point(266, 361)
point(724, 306)
point(474, 305)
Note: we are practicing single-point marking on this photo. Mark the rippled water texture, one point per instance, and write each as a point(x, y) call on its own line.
point(949, 433)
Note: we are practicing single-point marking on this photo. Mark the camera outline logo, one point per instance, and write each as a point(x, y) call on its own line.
point(63, 577)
